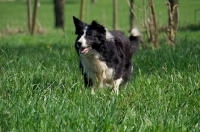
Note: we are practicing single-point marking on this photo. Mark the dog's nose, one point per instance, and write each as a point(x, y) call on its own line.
point(79, 44)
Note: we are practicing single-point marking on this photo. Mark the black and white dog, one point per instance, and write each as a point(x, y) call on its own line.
point(105, 56)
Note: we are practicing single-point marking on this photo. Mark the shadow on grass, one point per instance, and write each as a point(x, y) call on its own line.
point(183, 57)
point(191, 27)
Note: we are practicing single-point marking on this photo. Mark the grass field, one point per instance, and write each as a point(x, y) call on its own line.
point(41, 88)
point(14, 15)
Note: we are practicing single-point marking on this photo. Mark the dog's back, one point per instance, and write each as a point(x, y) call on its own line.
point(127, 47)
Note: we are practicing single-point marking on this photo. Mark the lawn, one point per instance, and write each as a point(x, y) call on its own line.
point(14, 15)
point(41, 88)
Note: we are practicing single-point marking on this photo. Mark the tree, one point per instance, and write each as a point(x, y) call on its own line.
point(131, 14)
point(34, 17)
point(29, 14)
point(114, 14)
point(172, 22)
point(155, 41)
point(93, 1)
point(174, 10)
point(59, 13)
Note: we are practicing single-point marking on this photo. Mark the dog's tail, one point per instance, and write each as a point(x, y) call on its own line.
point(135, 40)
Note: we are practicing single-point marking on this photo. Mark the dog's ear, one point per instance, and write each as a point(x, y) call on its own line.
point(79, 25)
point(95, 25)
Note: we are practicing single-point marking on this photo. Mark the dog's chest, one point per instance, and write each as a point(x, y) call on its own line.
point(97, 68)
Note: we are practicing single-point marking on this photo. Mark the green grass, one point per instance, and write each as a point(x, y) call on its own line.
point(41, 88)
point(16, 16)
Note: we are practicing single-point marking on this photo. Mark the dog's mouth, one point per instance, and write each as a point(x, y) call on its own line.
point(85, 50)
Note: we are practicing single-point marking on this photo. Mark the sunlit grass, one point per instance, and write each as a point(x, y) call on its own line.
point(41, 89)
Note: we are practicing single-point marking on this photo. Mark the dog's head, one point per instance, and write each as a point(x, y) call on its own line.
point(90, 36)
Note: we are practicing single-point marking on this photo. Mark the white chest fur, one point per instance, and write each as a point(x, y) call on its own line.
point(97, 69)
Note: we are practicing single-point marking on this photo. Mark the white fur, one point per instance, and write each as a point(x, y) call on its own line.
point(135, 32)
point(97, 70)
point(83, 40)
point(116, 85)
point(109, 36)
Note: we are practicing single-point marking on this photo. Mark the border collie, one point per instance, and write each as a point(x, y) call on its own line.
point(105, 56)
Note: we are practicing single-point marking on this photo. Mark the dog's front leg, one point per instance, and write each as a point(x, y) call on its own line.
point(92, 90)
point(94, 87)
point(95, 82)
point(98, 82)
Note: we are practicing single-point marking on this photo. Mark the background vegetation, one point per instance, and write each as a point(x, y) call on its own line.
point(41, 88)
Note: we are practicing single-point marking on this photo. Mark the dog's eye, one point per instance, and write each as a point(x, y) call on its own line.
point(89, 33)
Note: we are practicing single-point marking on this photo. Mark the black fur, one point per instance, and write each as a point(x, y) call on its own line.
point(116, 51)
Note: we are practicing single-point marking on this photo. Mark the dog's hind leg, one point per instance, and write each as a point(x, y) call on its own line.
point(117, 82)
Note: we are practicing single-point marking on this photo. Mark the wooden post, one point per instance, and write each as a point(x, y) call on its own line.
point(146, 21)
point(82, 10)
point(156, 43)
point(34, 17)
point(131, 14)
point(29, 15)
point(114, 14)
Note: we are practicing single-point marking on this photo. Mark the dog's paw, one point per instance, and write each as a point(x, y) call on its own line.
point(92, 92)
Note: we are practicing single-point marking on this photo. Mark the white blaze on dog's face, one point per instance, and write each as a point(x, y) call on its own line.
point(90, 36)
point(82, 40)
point(84, 48)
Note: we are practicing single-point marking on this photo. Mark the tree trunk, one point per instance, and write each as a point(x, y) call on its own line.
point(174, 10)
point(156, 43)
point(82, 10)
point(114, 14)
point(59, 13)
point(93, 1)
point(171, 25)
point(131, 14)
point(172, 22)
point(34, 17)
point(146, 22)
point(29, 15)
